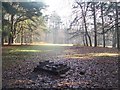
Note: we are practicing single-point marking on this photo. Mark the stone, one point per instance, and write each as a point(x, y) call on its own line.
point(52, 67)
point(82, 72)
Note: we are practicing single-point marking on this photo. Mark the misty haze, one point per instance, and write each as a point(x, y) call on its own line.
point(60, 44)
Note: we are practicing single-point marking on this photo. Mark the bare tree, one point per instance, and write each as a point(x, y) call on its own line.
point(82, 7)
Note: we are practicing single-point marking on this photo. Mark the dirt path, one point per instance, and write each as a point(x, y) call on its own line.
point(89, 67)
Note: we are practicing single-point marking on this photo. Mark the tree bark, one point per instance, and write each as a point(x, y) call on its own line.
point(2, 41)
point(116, 26)
point(86, 33)
point(10, 39)
point(11, 32)
point(84, 40)
point(87, 36)
point(22, 37)
point(102, 24)
point(95, 27)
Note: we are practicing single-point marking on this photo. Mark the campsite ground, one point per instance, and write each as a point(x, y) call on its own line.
point(100, 66)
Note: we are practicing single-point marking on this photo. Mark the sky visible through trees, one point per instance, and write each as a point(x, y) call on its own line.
point(81, 35)
point(62, 22)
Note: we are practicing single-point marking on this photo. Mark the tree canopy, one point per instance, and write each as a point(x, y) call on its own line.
point(17, 13)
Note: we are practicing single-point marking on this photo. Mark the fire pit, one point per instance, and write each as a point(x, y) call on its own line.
point(52, 67)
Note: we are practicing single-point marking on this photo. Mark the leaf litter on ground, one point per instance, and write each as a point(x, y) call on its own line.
point(87, 70)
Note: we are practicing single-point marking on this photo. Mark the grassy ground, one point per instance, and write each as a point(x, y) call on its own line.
point(99, 64)
point(17, 54)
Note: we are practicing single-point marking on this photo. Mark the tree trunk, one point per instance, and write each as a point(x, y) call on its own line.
point(114, 38)
point(87, 35)
point(84, 40)
point(95, 28)
point(85, 25)
point(90, 40)
point(2, 40)
point(116, 26)
point(11, 38)
point(22, 37)
point(102, 24)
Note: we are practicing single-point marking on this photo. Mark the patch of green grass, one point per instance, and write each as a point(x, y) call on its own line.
point(29, 49)
point(16, 54)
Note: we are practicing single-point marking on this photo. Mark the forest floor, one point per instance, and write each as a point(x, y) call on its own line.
point(100, 66)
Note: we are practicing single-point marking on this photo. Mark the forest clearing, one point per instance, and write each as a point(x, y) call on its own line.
point(60, 44)
point(100, 67)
